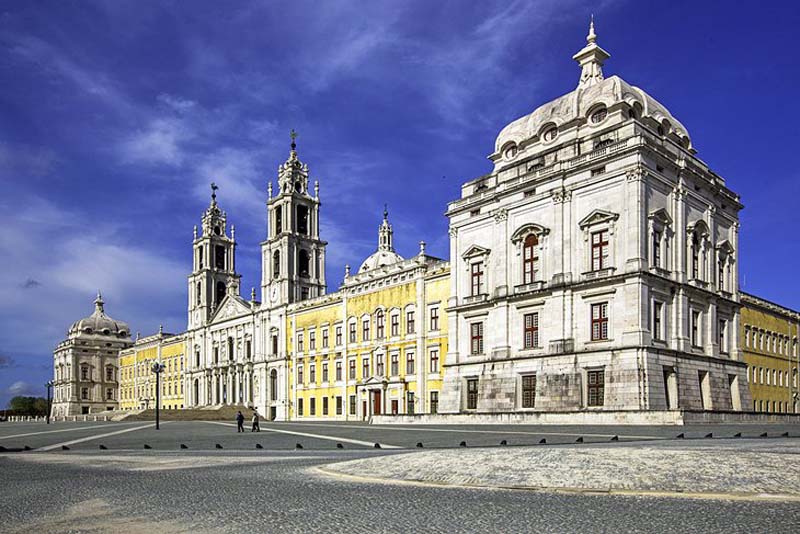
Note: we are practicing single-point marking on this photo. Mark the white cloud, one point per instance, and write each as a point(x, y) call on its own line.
point(19, 388)
point(161, 142)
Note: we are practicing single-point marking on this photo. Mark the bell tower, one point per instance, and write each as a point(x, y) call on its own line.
point(214, 273)
point(293, 256)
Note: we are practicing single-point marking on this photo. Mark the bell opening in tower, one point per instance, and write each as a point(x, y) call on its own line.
point(302, 220)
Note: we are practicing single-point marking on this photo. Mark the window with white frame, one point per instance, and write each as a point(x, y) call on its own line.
point(599, 316)
point(530, 259)
point(476, 338)
point(723, 336)
point(434, 361)
point(476, 278)
point(530, 330)
point(695, 328)
point(600, 250)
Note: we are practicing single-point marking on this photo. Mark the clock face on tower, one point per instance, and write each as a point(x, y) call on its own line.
point(273, 293)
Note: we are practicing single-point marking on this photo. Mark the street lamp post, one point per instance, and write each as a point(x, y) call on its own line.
point(157, 368)
point(48, 385)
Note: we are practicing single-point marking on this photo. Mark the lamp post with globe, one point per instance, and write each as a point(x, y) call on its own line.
point(157, 368)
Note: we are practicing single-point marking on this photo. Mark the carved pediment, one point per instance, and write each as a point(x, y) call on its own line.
point(526, 229)
point(598, 217)
point(698, 226)
point(661, 216)
point(475, 251)
point(725, 247)
point(230, 307)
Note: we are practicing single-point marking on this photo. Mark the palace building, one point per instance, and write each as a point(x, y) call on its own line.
point(595, 269)
point(85, 365)
point(769, 336)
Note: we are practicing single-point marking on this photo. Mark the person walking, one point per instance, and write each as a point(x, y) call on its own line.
point(256, 427)
point(239, 422)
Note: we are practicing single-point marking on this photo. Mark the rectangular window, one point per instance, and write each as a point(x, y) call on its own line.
point(409, 363)
point(84, 393)
point(530, 259)
point(723, 338)
point(300, 342)
point(410, 403)
point(395, 325)
point(600, 321)
point(352, 332)
point(476, 338)
point(721, 275)
point(352, 369)
point(596, 387)
point(312, 374)
point(304, 293)
point(313, 407)
point(434, 402)
point(531, 330)
point(249, 348)
point(435, 361)
point(325, 371)
point(379, 325)
point(434, 319)
point(352, 404)
point(300, 406)
point(472, 394)
point(529, 391)
point(300, 367)
point(325, 339)
point(657, 332)
point(695, 328)
point(656, 249)
point(395, 370)
point(410, 322)
point(365, 368)
point(599, 250)
point(84, 373)
point(365, 330)
point(379, 365)
point(338, 336)
point(109, 394)
point(325, 405)
point(338, 370)
point(312, 340)
point(477, 278)
point(338, 406)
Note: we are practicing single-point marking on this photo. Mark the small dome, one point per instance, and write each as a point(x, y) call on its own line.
point(100, 324)
point(594, 93)
point(379, 259)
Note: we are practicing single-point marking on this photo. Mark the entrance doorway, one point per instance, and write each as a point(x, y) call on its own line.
point(376, 402)
point(364, 413)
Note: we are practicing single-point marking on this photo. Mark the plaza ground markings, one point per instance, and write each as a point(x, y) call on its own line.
point(93, 437)
point(457, 430)
point(60, 430)
point(316, 436)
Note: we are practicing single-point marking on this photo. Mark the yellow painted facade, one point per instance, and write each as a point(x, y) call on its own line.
point(377, 346)
point(769, 344)
point(137, 387)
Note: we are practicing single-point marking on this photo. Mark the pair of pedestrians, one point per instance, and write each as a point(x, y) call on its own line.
point(240, 422)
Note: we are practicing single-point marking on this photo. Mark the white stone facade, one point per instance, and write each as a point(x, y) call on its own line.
point(595, 267)
point(86, 367)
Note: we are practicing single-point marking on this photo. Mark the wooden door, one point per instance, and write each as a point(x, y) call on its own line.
point(376, 402)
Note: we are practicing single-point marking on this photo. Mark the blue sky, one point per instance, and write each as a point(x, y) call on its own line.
point(115, 116)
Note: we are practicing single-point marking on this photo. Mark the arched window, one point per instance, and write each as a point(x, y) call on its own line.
point(530, 259)
point(273, 384)
point(276, 264)
point(598, 115)
point(230, 348)
point(199, 293)
point(303, 262)
point(278, 220)
point(302, 220)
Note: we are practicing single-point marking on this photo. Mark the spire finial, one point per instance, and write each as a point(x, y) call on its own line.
point(293, 135)
point(385, 212)
point(592, 37)
point(161, 330)
point(591, 58)
point(98, 303)
point(214, 188)
point(252, 294)
point(269, 188)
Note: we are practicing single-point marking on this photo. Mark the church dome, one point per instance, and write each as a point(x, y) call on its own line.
point(385, 255)
point(379, 259)
point(98, 323)
point(594, 92)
